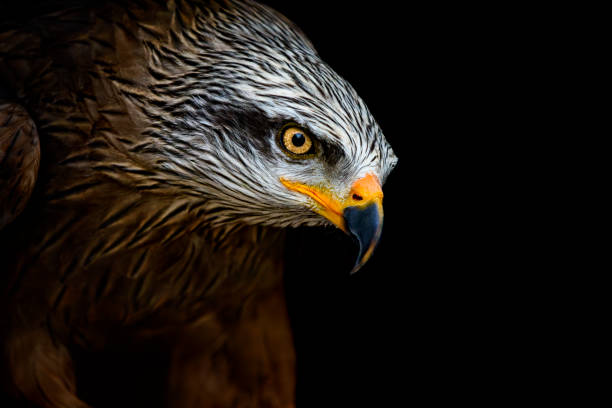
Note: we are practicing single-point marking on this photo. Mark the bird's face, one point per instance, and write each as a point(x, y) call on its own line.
point(299, 170)
point(277, 137)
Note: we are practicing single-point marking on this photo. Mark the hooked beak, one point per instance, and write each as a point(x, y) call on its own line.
point(359, 215)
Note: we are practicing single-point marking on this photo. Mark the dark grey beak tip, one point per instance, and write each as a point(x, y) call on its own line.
point(365, 225)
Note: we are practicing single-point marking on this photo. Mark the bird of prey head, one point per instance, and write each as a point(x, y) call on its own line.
point(145, 148)
point(262, 127)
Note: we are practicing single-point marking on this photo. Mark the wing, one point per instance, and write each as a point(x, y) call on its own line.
point(19, 160)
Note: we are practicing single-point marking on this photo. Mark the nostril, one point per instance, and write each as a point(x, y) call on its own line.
point(357, 197)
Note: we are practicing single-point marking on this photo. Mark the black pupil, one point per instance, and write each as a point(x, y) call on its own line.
point(298, 139)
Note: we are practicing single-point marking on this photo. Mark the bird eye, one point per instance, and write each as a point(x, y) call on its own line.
point(295, 141)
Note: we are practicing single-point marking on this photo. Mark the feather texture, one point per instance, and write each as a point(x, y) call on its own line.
point(158, 208)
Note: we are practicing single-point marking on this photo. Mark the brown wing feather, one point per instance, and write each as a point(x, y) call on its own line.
point(106, 249)
point(19, 160)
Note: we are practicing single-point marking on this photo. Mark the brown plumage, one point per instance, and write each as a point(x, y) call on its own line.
point(66, 289)
point(19, 160)
point(122, 241)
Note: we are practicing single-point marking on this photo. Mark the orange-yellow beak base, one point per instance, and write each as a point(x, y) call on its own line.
point(359, 215)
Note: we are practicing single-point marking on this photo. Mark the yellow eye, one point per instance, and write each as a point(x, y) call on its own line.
point(296, 141)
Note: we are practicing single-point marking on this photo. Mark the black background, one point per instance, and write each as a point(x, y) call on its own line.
point(432, 317)
point(451, 306)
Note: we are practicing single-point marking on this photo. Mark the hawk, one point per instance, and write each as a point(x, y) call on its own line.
point(152, 155)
